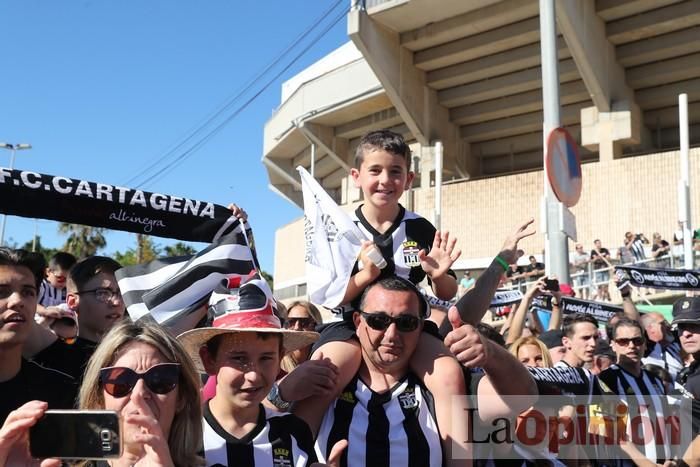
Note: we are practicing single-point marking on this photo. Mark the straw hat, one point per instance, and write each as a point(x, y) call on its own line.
point(243, 308)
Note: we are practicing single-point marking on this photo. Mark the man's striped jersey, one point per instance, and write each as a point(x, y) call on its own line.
point(278, 440)
point(668, 357)
point(396, 428)
point(636, 392)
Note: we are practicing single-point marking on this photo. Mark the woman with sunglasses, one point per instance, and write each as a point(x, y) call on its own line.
point(143, 374)
point(301, 316)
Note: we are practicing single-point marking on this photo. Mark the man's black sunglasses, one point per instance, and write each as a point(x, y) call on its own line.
point(120, 381)
point(381, 321)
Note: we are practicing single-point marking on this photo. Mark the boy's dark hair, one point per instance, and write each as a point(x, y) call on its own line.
point(32, 261)
point(399, 284)
point(625, 321)
point(87, 268)
point(62, 260)
point(387, 140)
point(570, 321)
point(213, 344)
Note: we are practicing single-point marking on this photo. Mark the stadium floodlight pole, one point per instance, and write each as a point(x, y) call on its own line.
point(13, 148)
point(555, 240)
point(684, 183)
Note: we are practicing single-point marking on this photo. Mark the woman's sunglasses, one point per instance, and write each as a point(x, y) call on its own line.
point(305, 323)
point(381, 321)
point(119, 381)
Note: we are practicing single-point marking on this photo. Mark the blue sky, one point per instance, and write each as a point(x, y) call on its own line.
point(103, 88)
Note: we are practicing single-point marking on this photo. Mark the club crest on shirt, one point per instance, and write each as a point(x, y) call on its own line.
point(408, 400)
point(281, 457)
point(347, 396)
point(410, 253)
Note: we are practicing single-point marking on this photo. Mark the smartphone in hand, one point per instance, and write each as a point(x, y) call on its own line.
point(552, 285)
point(76, 434)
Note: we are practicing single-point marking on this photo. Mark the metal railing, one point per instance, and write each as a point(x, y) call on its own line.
point(591, 278)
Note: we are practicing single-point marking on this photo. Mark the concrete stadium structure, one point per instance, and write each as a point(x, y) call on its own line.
point(467, 73)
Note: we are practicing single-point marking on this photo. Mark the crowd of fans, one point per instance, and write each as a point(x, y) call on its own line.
point(590, 270)
point(391, 382)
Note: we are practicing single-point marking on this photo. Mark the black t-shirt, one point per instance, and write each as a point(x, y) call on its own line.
point(34, 382)
point(535, 267)
point(511, 272)
point(67, 358)
point(600, 263)
point(657, 246)
point(692, 385)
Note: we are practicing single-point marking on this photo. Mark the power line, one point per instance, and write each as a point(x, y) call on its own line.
point(187, 153)
point(230, 101)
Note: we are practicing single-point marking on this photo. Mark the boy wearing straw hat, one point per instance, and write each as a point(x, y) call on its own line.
point(243, 349)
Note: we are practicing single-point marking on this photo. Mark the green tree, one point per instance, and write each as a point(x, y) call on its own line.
point(39, 248)
point(145, 251)
point(179, 249)
point(83, 240)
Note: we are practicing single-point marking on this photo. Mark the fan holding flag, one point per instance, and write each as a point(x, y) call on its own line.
point(174, 291)
point(341, 261)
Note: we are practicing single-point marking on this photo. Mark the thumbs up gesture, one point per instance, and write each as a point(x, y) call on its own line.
point(465, 342)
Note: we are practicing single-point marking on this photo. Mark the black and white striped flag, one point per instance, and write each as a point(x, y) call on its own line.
point(170, 288)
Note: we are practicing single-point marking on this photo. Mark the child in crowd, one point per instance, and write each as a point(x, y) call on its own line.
point(53, 288)
point(243, 350)
point(412, 249)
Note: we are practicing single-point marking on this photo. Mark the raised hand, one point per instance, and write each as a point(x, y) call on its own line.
point(367, 264)
point(14, 436)
point(465, 342)
point(441, 257)
point(238, 212)
point(143, 437)
point(509, 251)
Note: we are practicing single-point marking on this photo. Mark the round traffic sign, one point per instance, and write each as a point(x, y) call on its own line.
point(563, 166)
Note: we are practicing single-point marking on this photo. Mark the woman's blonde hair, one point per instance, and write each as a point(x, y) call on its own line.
point(185, 439)
point(532, 340)
point(288, 363)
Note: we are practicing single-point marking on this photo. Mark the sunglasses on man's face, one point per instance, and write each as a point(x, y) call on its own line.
point(381, 321)
point(625, 341)
point(120, 381)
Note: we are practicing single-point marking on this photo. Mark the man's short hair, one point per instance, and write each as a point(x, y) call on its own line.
point(570, 321)
point(62, 260)
point(532, 257)
point(19, 257)
point(608, 327)
point(399, 284)
point(625, 321)
point(387, 140)
point(87, 268)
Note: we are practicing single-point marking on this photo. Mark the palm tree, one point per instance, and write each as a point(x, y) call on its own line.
point(83, 240)
point(179, 249)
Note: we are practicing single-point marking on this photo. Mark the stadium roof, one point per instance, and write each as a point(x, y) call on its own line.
point(468, 73)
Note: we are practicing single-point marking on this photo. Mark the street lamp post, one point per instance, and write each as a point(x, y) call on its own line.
point(13, 148)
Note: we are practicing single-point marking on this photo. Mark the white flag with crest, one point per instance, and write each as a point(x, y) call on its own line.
point(332, 244)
